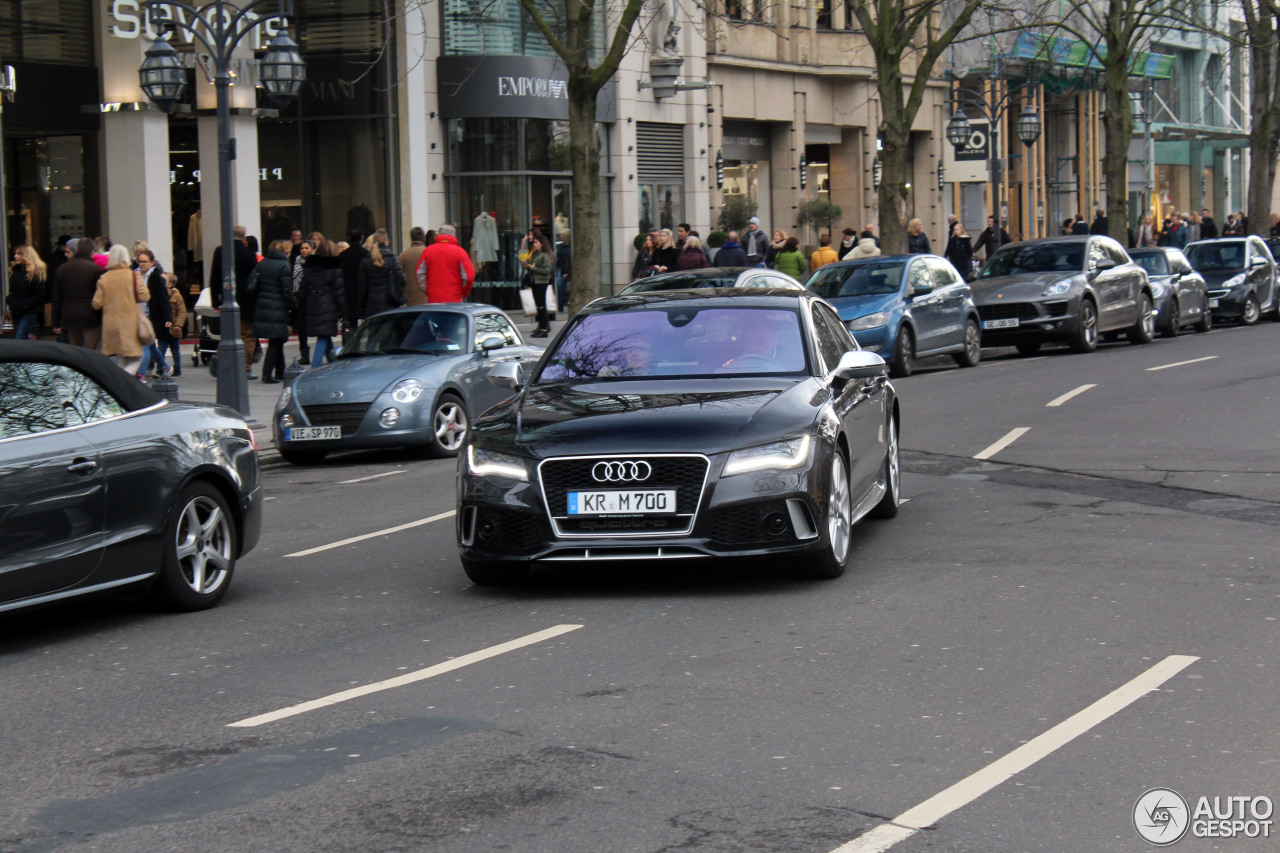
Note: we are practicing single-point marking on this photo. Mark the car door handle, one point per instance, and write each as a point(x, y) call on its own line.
point(82, 466)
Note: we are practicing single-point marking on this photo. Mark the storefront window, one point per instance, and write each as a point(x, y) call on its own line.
point(501, 28)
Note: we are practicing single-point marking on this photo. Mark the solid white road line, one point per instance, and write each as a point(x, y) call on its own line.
point(407, 678)
point(1002, 769)
point(370, 477)
point(1180, 363)
point(1014, 435)
point(1058, 401)
point(316, 550)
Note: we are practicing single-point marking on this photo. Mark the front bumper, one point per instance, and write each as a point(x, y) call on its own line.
point(757, 514)
point(251, 513)
point(360, 429)
point(1230, 303)
point(1006, 323)
point(877, 340)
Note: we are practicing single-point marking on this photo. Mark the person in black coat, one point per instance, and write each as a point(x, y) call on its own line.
point(350, 259)
point(28, 279)
point(987, 239)
point(272, 285)
point(381, 278)
point(245, 260)
point(960, 252)
point(321, 299)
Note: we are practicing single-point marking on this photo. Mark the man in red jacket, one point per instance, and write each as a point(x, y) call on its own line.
point(445, 272)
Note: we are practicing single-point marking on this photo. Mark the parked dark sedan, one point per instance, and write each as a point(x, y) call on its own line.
point(904, 307)
point(105, 485)
point(1181, 296)
point(683, 424)
point(714, 277)
point(1241, 275)
point(1069, 290)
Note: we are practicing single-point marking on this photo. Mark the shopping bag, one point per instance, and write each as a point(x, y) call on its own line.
point(204, 304)
point(551, 299)
point(526, 302)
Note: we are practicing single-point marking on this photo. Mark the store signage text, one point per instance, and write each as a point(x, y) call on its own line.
point(532, 87)
point(130, 22)
point(276, 174)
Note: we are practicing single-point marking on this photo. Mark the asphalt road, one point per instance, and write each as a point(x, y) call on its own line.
point(1122, 545)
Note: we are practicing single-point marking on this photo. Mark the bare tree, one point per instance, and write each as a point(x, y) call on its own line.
point(1262, 27)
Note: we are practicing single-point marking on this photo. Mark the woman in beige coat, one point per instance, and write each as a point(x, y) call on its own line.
point(119, 291)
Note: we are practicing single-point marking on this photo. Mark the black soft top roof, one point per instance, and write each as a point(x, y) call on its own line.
point(128, 391)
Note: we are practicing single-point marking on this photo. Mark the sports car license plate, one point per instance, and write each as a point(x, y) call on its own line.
point(313, 433)
point(1009, 323)
point(1213, 303)
point(646, 501)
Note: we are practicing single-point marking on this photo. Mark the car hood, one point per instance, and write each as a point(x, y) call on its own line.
point(360, 380)
point(853, 307)
point(1015, 288)
point(1218, 277)
point(704, 416)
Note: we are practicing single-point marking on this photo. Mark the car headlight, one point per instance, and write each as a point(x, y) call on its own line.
point(868, 322)
point(793, 453)
point(285, 397)
point(1234, 281)
point(406, 391)
point(1157, 290)
point(1057, 288)
point(487, 463)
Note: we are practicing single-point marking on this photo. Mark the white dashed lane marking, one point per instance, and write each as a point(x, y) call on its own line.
point(407, 678)
point(409, 526)
point(370, 477)
point(1058, 401)
point(1002, 769)
point(1181, 363)
point(1013, 435)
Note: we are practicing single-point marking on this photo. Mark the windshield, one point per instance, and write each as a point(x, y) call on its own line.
point(1217, 256)
point(680, 282)
point(1041, 257)
point(857, 279)
point(1155, 263)
point(427, 332)
point(681, 341)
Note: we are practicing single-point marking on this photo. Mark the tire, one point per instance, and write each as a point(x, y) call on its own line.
point(1028, 347)
point(1085, 338)
point(904, 354)
point(1174, 323)
point(972, 352)
point(450, 425)
point(830, 561)
point(1252, 311)
point(213, 365)
point(1143, 330)
point(1205, 323)
point(892, 474)
point(199, 551)
point(485, 573)
point(303, 457)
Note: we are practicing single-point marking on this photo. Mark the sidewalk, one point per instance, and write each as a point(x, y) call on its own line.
point(198, 384)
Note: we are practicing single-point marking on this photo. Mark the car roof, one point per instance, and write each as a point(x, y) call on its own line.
point(875, 258)
point(1053, 241)
point(708, 272)
point(455, 307)
point(128, 391)
point(712, 297)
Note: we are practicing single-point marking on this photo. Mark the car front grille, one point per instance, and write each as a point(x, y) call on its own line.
point(1009, 311)
point(686, 473)
point(1055, 309)
point(506, 530)
point(345, 415)
point(752, 524)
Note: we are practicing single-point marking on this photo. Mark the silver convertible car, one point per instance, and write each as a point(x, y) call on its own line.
point(412, 377)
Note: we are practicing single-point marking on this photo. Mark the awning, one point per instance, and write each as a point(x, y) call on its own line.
point(1073, 53)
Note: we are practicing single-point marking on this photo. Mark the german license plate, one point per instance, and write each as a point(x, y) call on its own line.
point(1213, 303)
point(631, 501)
point(1010, 323)
point(313, 433)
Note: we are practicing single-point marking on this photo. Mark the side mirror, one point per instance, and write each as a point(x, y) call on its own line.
point(859, 364)
point(505, 375)
point(1105, 264)
point(921, 290)
point(491, 343)
point(1257, 261)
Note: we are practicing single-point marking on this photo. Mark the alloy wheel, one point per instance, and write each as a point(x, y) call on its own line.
point(204, 539)
point(451, 425)
point(839, 518)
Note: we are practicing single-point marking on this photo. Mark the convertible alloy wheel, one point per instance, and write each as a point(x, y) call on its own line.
point(200, 549)
point(1144, 330)
point(450, 425)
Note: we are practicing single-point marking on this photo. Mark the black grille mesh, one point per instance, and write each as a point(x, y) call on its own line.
point(1020, 310)
point(345, 415)
point(505, 530)
point(745, 525)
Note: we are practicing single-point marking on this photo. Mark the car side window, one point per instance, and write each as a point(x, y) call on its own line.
point(919, 275)
point(1117, 254)
point(29, 399)
point(834, 339)
point(84, 401)
point(943, 276)
point(489, 325)
point(1097, 252)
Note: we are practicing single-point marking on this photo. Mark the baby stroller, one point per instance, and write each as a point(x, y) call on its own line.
point(207, 318)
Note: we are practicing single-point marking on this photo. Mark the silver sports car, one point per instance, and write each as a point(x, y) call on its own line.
point(414, 376)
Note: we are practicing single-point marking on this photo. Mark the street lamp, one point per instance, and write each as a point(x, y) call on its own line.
point(958, 132)
point(220, 26)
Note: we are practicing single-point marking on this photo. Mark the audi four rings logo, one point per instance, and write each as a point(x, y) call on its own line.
point(621, 472)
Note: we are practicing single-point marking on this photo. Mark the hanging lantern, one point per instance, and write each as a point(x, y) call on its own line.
point(162, 76)
point(281, 70)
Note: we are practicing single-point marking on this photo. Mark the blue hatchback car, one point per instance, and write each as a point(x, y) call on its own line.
point(904, 307)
